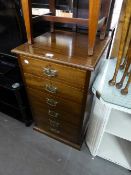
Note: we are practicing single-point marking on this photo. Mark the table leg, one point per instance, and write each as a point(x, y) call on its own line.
point(94, 12)
point(27, 14)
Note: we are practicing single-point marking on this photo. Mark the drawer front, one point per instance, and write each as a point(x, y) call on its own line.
point(61, 129)
point(54, 103)
point(47, 119)
point(54, 88)
point(42, 111)
point(72, 76)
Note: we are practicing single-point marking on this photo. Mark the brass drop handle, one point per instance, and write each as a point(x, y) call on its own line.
point(51, 89)
point(53, 114)
point(50, 72)
point(54, 130)
point(51, 102)
point(54, 123)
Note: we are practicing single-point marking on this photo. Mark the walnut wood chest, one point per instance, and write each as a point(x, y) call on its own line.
point(58, 74)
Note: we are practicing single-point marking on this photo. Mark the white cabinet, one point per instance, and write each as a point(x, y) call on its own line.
point(109, 131)
point(116, 150)
point(119, 124)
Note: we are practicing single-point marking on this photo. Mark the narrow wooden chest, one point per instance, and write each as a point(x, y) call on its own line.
point(58, 74)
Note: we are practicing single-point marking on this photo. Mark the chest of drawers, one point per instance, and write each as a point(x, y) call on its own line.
point(58, 74)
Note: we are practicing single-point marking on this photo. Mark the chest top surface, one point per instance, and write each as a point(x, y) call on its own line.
point(67, 48)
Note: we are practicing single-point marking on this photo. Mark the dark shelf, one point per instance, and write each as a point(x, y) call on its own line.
point(16, 113)
point(15, 104)
point(13, 100)
point(10, 78)
point(11, 105)
point(6, 97)
point(7, 83)
point(9, 58)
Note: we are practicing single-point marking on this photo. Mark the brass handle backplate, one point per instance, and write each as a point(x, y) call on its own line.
point(54, 130)
point(51, 102)
point(51, 89)
point(50, 72)
point(53, 114)
point(54, 123)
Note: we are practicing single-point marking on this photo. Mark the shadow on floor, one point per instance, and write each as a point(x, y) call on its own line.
point(27, 152)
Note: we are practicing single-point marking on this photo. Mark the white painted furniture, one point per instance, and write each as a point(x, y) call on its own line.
point(109, 131)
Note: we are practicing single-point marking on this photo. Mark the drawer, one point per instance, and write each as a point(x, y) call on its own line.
point(42, 111)
point(55, 88)
point(72, 76)
point(61, 129)
point(54, 103)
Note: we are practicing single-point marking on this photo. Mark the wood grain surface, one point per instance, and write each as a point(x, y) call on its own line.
point(68, 48)
point(72, 76)
point(123, 38)
point(65, 105)
point(58, 74)
point(27, 14)
point(60, 89)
